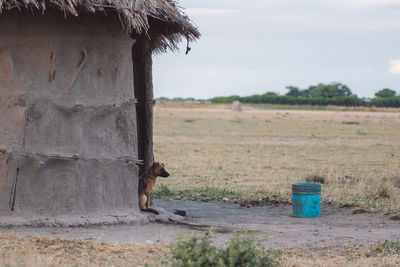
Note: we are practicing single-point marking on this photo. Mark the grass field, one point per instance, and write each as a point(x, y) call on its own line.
point(39, 251)
point(214, 153)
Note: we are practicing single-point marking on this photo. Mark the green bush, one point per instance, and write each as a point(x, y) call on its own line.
point(391, 247)
point(243, 249)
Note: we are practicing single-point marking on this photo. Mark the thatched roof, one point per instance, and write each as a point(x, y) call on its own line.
point(137, 16)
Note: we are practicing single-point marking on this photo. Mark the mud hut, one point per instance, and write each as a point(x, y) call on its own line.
point(76, 103)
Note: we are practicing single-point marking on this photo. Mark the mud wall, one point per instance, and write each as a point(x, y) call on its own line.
point(68, 140)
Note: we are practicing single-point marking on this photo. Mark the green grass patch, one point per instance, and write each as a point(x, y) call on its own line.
point(204, 194)
point(361, 132)
point(351, 122)
point(190, 120)
point(391, 247)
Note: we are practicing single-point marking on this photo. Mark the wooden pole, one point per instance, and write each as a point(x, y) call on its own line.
point(143, 83)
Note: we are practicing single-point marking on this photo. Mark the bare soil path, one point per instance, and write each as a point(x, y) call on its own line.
point(273, 225)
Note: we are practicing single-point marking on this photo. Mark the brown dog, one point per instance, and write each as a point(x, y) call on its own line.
point(146, 183)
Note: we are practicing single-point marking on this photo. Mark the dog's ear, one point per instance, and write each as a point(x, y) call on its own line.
point(156, 167)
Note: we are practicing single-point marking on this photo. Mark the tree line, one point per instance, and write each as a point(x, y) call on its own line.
point(322, 94)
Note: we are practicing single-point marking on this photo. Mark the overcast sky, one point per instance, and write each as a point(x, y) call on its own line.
point(254, 46)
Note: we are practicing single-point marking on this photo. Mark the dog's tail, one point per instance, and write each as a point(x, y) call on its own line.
point(149, 210)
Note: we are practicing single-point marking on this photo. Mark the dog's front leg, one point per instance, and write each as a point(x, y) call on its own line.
point(142, 201)
point(148, 200)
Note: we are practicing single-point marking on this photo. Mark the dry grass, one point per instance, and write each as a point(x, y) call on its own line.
point(259, 153)
point(37, 251)
point(250, 155)
point(372, 255)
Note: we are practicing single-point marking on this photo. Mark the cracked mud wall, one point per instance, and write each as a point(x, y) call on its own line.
point(68, 139)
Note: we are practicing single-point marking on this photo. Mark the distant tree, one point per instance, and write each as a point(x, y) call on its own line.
point(321, 94)
point(226, 99)
point(271, 94)
point(344, 89)
point(385, 93)
point(327, 90)
point(293, 91)
point(306, 93)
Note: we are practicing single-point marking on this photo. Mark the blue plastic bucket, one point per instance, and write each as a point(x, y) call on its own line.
point(306, 198)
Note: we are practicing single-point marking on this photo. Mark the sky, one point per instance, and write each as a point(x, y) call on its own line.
point(256, 46)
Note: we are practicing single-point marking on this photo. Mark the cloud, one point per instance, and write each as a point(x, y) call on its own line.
point(370, 70)
point(210, 11)
point(371, 3)
point(394, 66)
point(293, 17)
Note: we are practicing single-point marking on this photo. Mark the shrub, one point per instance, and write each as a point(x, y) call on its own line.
point(243, 249)
point(194, 251)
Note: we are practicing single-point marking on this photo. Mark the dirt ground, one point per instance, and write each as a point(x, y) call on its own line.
point(274, 225)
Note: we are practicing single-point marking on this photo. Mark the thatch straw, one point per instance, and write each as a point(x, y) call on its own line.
point(137, 16)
